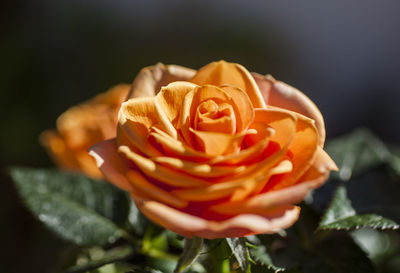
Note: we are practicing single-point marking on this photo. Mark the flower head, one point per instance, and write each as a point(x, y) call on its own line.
point(217, 152)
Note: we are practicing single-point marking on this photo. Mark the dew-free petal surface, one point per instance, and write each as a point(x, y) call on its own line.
point(220, 73)
point(280, 94)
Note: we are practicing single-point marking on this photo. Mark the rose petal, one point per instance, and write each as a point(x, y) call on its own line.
point(198, 169)
point(283, 125)
point(207, 92)
point(255, 186)
point(313, 178)
point(277, 93)
point(244, 155)
point(110, 163)
point(161, 173)
point(87, 165)
point(114, 96)
point(302, 151)
point(321, 166)
point(220, 73)
point(191, 102)
point(171, 97)
point(153, 192)
point(238, 188)
point(271, 199)
point(174, 147)
point(150, 79)
point(241, 102)
point(67, 158)
point(213, 120)
point(136, 117)
point(215, 144)
point(238, 226)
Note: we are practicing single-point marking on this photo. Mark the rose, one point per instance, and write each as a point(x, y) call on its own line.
point(82, 126)
point(220, 153)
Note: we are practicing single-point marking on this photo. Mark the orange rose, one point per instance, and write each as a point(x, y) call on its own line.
point(220, 153)
point(82, 126)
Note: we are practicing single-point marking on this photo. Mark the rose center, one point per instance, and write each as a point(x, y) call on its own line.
point(215, 117)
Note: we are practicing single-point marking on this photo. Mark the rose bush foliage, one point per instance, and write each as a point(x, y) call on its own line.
point(217, 152)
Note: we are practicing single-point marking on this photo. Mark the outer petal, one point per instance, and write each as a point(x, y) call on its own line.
point(302, 151)
point(150, 79)
point(277, 93)
point(321, 166)
point(238, 226)
point(110, 163)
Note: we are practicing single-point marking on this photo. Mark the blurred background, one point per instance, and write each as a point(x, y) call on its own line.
point(53, 54)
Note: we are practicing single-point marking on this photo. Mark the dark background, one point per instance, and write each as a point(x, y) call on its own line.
point(53, 54)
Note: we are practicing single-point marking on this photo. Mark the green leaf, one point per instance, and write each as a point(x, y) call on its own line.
point(240, 251)
point(304, 250)
point(191, 251)
point(341, 215)
point(395, 164)
point(111, 256)
point(262, 257)
point(365, 220)
point(75, 207)
point(357, 152)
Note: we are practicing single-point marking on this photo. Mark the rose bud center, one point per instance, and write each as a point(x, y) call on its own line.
point(215, 117)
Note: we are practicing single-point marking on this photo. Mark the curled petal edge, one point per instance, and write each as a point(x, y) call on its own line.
point(150, 79)
point(280, 94)
point(110, 163)
point(237, 226)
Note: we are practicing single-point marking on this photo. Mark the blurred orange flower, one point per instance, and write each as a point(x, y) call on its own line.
point(217, 152)
point(82, 126)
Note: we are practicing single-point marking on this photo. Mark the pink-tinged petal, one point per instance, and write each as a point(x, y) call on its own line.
point(279, 94)
point(150, 79)
point(110, 163)
point(238, 226)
